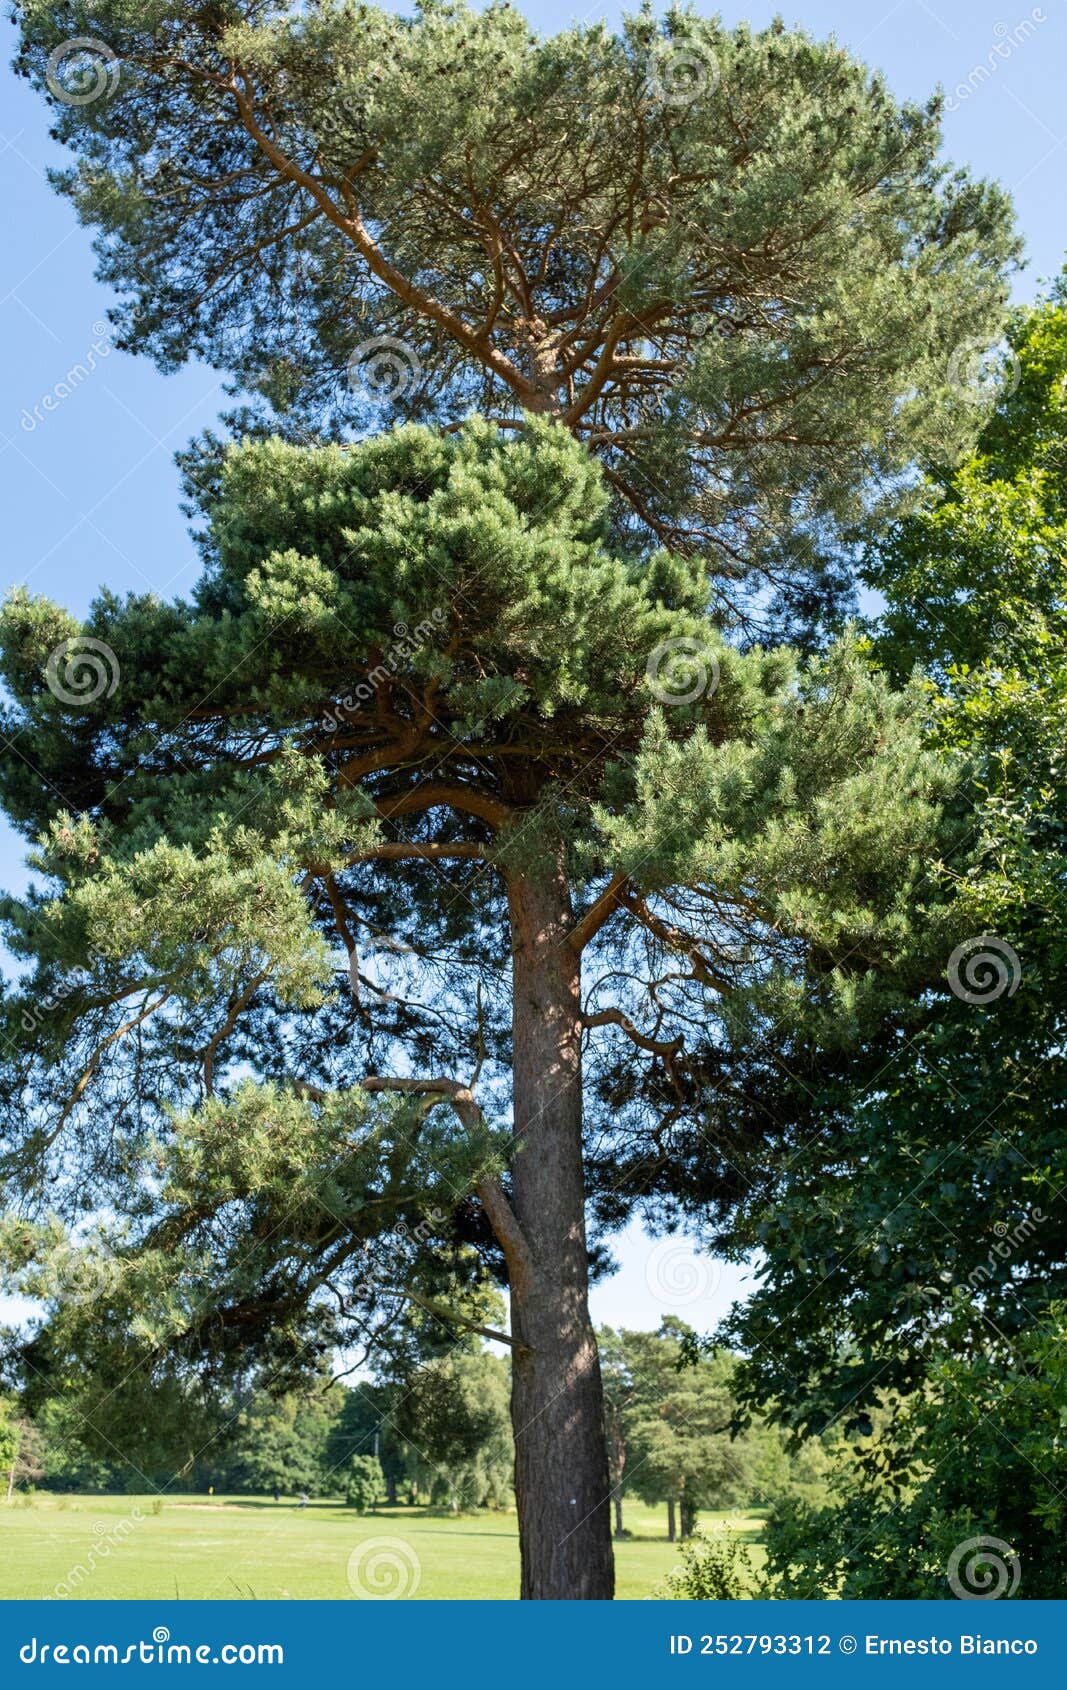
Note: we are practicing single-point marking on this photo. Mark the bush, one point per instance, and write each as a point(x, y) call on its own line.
point(930, 1509)
point(717, 1569)
point(365, 1483)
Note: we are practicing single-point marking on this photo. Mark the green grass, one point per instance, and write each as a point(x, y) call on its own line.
point(196, 1546)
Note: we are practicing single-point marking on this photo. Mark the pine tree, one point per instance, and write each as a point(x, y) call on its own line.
point(442, 698)
point(727, 260)
point(349, 941)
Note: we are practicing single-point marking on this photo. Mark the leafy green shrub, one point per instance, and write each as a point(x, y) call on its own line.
point(713, 1569)
point(365, 1483)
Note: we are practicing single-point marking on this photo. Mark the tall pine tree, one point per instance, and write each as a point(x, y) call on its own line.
point(445, 691)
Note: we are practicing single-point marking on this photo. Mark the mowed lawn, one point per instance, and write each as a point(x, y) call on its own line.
point(195, 1546)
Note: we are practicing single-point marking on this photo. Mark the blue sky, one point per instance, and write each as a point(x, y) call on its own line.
point(89, 489)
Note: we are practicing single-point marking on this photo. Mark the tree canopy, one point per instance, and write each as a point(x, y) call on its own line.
point(947, 1234)
point(672, 1423)
point(728, 260)
point(270, 935)
point(268, 787)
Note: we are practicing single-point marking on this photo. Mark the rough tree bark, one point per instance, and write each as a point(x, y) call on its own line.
point(561, 1469)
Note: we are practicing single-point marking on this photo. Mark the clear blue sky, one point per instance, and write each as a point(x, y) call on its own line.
point(90, 494)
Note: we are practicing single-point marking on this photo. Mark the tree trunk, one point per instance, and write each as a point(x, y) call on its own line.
point(688, 1517)
point(671, 1532)
point(618, 1513)
point(561, 1470)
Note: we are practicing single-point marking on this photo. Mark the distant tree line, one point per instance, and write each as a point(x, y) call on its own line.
point(437, 1434)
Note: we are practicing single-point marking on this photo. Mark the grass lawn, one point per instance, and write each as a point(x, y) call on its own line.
point(196, 1546)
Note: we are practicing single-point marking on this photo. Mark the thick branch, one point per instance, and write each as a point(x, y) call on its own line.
point(353, 226)
point(452, 1318)
point(430, 852)
point(597, 914)
point(676, 939)
point(501, 1216)
point(446, 794)
point(616, 1018)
